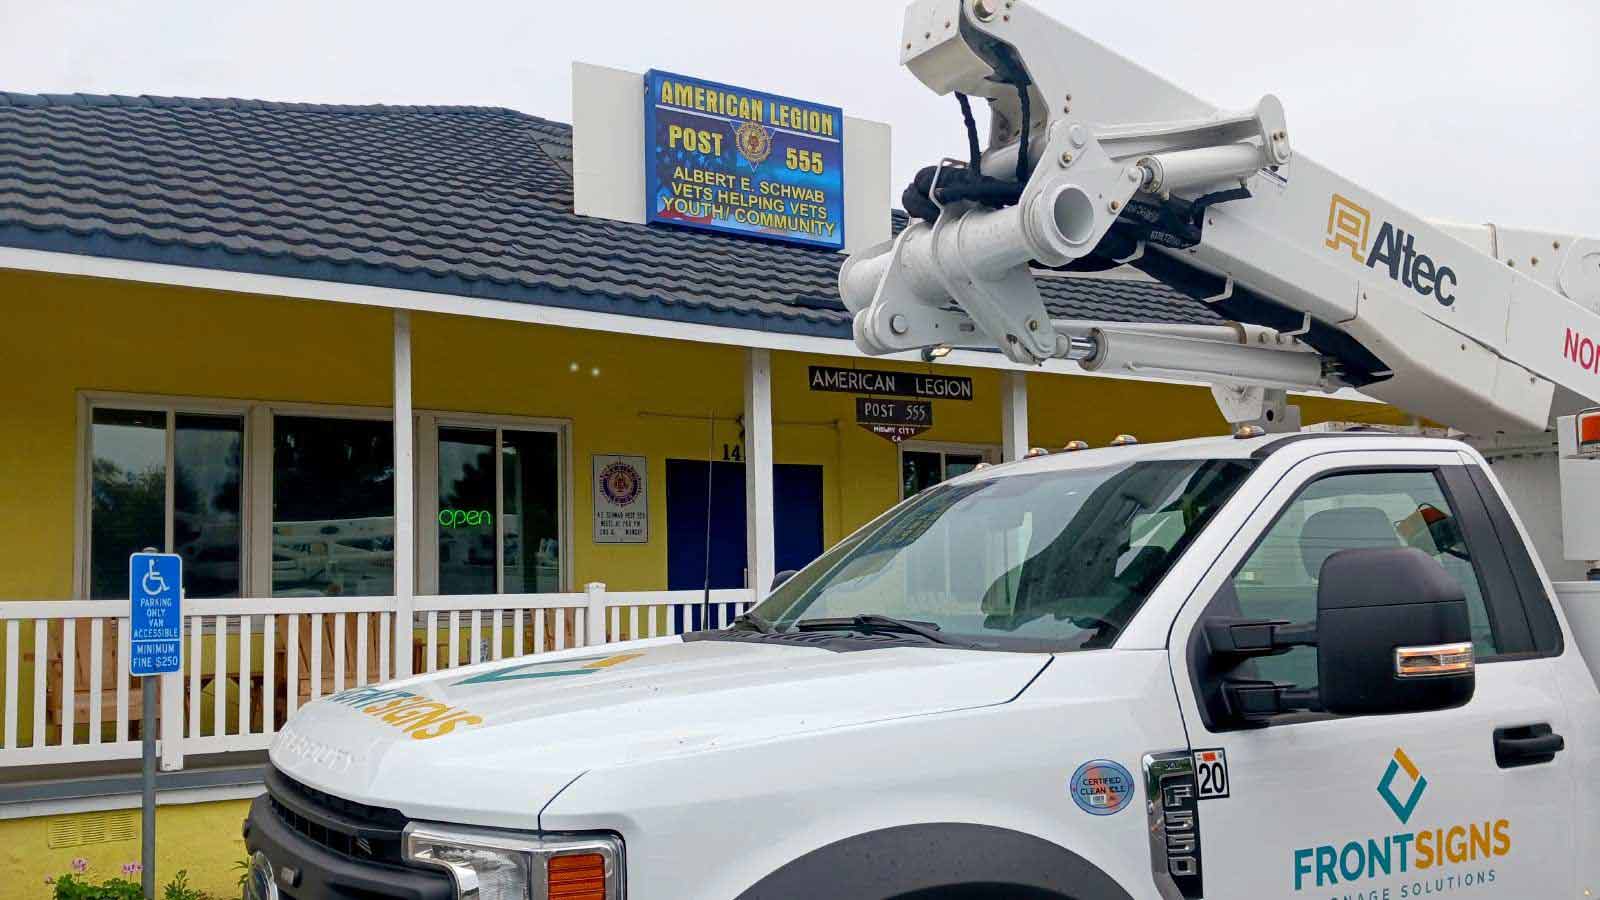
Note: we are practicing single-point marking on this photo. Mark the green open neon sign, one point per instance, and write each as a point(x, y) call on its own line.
point(456, 518)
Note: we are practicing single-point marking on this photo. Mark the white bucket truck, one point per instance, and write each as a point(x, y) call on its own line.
point(1264, 665)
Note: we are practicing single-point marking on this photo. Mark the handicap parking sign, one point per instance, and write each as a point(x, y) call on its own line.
point(155, 594)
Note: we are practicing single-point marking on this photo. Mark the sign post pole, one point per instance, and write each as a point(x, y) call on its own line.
point(155, 632)
point(147, 829)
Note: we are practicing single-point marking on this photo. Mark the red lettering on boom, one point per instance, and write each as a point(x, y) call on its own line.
point(1581, 350)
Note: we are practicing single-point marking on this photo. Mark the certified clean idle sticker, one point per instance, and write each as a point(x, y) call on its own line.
point(1102, 787)
point(1211, 773)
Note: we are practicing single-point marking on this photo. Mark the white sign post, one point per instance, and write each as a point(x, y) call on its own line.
point(621, 499)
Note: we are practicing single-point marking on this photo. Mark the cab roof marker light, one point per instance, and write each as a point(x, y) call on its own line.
point(1075, 446)
point(1124, 440)
point(1036, 452)
point(1588, 425)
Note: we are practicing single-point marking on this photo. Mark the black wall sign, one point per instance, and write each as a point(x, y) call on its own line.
point(896, 420)
point(893, 384)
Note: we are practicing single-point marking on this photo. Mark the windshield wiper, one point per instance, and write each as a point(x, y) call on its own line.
point(756, 621)
point(877, 622)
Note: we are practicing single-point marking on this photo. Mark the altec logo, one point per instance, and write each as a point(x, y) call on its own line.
point(1350, 228)
point(1364, 858)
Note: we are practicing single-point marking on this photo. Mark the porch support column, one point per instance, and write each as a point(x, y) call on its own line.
point(1014, 415)
point(759, 518)
point(405, 511)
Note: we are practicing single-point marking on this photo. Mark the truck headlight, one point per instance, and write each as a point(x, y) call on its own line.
point(502, 865)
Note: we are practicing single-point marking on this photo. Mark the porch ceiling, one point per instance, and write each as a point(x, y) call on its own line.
point(467, 201)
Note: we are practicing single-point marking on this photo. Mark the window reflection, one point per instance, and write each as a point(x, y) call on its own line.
point(920, 470)
point(523, 536)
point(332, 507)
point(960, 464)
point(532, 512)
point(128, 494)
point(466, 511)
point(208, 458)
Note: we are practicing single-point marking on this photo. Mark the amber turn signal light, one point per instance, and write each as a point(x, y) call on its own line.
point(580, 876)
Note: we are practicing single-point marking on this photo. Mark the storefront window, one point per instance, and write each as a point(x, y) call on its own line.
point(177, 481)
point(129, 503)
point(208, 456)
point(332, 507)
point(532, 512)
point(921, 469)
point(499, 525)
point(467, 521)
point(129, 494)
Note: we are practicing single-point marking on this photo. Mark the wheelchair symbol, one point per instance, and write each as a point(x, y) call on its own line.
point(152, 582)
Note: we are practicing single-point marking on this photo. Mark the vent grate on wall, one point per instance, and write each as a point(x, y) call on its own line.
point(92, 828)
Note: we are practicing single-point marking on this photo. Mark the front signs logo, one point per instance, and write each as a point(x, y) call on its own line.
point(421, 718)
point(583, 665)
point(1350, 230)
point(1402, 808)
point(1467, 849)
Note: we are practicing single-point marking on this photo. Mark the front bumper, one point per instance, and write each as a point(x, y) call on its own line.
point(318, 850)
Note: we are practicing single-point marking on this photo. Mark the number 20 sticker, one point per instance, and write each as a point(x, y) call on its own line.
point(1211, 774)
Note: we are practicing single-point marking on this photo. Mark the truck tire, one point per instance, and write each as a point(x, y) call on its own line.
point(983, 892)
point(939, 861)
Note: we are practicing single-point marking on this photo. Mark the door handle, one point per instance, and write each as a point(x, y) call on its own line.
point(1526, 745)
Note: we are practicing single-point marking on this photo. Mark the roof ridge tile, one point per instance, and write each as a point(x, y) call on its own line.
point(79, 99)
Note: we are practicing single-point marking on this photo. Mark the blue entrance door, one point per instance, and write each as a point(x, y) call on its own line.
point(797, 505)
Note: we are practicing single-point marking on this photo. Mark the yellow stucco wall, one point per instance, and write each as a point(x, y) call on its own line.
point(620, 394)
point(67, 335)
point(202, 839)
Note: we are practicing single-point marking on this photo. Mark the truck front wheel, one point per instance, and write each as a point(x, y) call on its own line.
point(939, 861)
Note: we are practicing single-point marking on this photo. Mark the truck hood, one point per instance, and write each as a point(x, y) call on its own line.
point(491, 744)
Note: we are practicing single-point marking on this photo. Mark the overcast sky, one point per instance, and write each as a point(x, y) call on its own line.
point(1460, 109)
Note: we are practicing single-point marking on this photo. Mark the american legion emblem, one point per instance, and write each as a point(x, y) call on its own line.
point(754, 142)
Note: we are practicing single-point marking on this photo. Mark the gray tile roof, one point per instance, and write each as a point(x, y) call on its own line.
point(471, 201)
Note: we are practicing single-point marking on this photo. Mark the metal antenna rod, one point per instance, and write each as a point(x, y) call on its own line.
point(711, 447)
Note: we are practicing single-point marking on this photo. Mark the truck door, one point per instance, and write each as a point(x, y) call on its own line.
point(1432, 804)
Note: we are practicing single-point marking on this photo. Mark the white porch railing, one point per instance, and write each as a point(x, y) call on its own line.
point(66, 697)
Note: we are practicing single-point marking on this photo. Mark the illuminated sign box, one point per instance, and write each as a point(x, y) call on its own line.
point(728, 159)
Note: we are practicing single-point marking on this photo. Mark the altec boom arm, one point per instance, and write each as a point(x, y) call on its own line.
point(1486, 330)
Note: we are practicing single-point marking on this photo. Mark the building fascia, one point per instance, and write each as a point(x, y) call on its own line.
point(281, 286)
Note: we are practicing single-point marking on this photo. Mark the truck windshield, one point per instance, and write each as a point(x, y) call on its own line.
point(1036, 561)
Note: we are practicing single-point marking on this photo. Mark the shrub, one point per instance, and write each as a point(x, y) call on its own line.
point(73, 887)
point(77, 887)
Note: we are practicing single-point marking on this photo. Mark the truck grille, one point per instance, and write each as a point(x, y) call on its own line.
point(350, 829)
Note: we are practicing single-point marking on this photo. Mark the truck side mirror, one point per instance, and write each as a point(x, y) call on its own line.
point(1393, 634)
